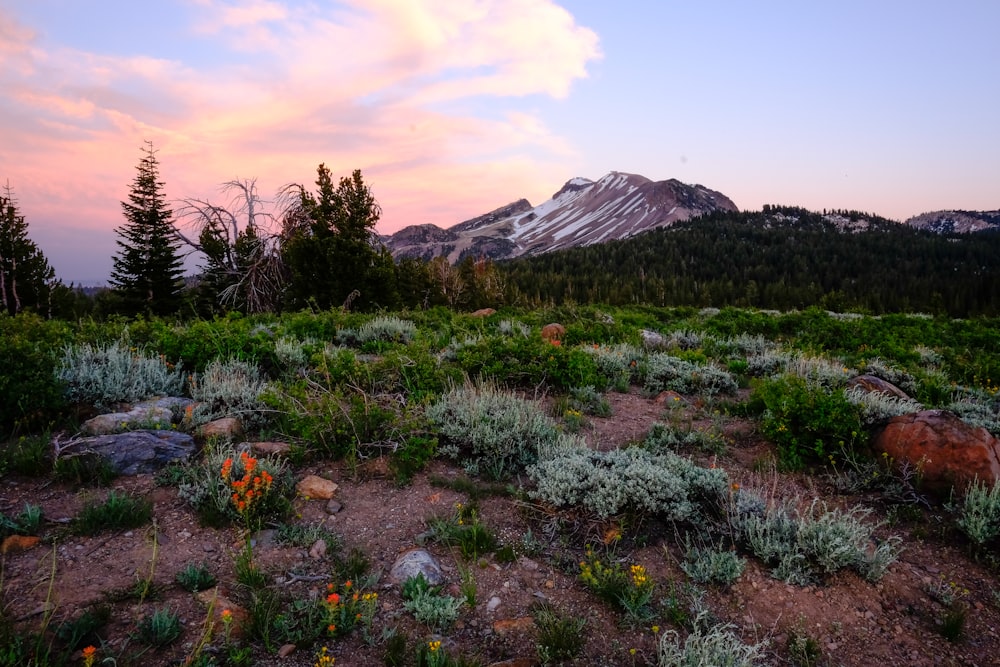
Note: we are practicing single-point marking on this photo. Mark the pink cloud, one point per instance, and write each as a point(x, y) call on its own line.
point(366, 86)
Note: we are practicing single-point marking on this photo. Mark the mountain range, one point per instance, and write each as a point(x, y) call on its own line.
point(618, 206)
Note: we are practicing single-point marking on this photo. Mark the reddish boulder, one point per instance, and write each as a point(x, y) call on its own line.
point(483, 312)
point(551, 332)
point(946, 451)
point(873, 384)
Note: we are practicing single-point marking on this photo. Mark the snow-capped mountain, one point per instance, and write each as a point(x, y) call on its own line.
point(582, 212)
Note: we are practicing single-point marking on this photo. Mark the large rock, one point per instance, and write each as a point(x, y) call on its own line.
point(874, 384)
point(946, 451)
point(413, 562)
point(154, 413)
point(138, 452)
point(552, 332)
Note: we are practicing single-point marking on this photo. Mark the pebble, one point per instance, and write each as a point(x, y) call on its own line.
point(492, 605)
point(333, 507)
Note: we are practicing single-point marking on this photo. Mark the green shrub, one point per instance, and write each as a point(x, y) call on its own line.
point(631, 590)
point(160, 628)
point(103, 375)
point(498, 433)
point(31, 395)
point(195, 578)
point(463, 530)
point(629, 480)
point(527, 362)
point(28, 455)
point(560, 636)
point(27, 522)
point(980, 513)
point(807, 422)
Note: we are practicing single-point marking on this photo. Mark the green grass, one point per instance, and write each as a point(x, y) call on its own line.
point(119, 511)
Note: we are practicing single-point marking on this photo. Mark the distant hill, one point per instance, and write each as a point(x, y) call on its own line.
point(956, 222)
point(581, 213)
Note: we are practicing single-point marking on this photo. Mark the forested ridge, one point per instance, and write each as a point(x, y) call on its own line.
point(781, 258)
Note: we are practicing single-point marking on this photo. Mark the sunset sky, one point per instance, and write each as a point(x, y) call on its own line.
point(454, 107)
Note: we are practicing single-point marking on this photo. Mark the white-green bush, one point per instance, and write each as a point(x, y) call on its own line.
point(746, 345)
point(292, 353)
point(768, 362)
point(634, 479)
point(708, 646)
point(899, 377)
point(820, 371)
point(229, 388)
point(665, 372)
point(618, 363)
point(980, 513)
point(498, 433)
point(820, 540)
point(878, 406)
point(712, 565)
point(387, 328)
point(977, 408)
point(514, 328)
point(102, 375)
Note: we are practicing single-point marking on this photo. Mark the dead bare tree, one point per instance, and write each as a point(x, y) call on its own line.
point(239, 242)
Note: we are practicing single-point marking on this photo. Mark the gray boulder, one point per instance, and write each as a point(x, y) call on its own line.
point(138, 452)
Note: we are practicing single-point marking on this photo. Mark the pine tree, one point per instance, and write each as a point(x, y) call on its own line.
point(25, 275)
point(331, 249)
point(147, 270)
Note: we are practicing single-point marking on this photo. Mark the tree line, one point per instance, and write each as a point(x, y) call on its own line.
point(317, 248)
point(780, 258)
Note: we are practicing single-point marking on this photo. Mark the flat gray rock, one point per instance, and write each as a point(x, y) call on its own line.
point(139, 452)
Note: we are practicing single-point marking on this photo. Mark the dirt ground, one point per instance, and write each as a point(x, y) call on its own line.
point(847, 620)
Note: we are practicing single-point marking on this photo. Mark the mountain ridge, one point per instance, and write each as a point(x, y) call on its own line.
point(582, 212)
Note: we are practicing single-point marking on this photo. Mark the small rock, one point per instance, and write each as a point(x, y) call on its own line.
point(318, 550)
point(527, 563)
point(19, 543)
point(313, 486)
point(272, 448)
point(492, 605)
point(286, 650)
point(226, 428)
point(333, 507)
point(207, 547)
point(550, 584)
point(507, 626)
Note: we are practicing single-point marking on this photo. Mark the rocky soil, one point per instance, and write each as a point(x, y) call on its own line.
point(845, 621)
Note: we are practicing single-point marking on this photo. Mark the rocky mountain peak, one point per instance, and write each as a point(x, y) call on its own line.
point(581, 212)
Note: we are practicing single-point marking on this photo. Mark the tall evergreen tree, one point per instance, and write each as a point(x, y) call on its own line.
point(25, 275)
point(147, 270)
point(331, 250)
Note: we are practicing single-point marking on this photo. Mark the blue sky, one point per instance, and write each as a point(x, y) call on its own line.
point(454, 107)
